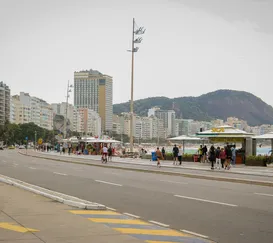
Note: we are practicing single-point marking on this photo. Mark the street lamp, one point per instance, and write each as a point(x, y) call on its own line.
point(69, 86)
point(136, 31)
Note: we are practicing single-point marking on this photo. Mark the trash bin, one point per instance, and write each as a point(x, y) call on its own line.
point(85, 152)
point(154, 158)
point(195, 158)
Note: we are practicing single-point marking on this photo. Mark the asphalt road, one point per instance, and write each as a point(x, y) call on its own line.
point(225, 212)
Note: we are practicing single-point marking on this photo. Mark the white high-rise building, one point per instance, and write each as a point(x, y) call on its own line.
point(168, 117)
point(94, 90)
point(88, 122)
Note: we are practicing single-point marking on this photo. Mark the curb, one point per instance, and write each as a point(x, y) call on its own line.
point(56, 196)
point(226, 179)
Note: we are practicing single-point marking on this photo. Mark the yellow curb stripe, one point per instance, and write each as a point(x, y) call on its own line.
point(16, 228)
point(94, 212)
point(149, 232)
point(119, 221)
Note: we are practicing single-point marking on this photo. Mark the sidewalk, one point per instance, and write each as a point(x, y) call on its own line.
point(30, 218)
point(238, 169)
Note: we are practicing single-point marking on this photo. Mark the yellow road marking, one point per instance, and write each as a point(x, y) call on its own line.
point(118, 221)
point(149, 232)
point(16, 228)
point(86, 212)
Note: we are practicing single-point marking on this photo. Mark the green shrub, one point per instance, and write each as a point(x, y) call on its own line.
point(259, 160)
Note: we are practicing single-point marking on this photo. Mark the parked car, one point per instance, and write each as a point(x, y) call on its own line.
point(22, 147)
point(11, 147)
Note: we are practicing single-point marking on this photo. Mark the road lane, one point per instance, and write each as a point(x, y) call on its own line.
point(145, 195)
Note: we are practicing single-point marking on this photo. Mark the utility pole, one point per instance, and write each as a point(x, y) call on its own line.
point(66, 107)
point(136, 31)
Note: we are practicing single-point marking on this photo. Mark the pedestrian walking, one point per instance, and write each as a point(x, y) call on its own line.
point(212, 156)
point(218, 158)
point(163, 153)
point(233, 152)
point(223, 157)
point(175, 154)
point(180, 154)
point(110, 153)
point(229, 157)
point(158, 157)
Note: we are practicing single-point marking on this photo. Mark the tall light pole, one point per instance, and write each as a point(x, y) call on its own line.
point(138, 40)
point(69, 86)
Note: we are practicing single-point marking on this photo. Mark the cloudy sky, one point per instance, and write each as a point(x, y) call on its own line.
point(190, 46)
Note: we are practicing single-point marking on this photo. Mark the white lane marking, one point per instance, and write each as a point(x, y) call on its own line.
point(4, 161)
point(15, 164)
point(176, 182)
point(208, 201)
point(111, 209)
point(57, 173)
point(111, 173)
point(193, 233)
point(32, 168)
point(110, 183)
point(132, 215)
point(158, 223)
point(263, 194)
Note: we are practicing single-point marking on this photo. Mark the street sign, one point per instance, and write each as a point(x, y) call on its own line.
point(26, 138)
point(40, 141)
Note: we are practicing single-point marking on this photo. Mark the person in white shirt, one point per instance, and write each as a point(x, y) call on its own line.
point(180, 153)
point(104, 152)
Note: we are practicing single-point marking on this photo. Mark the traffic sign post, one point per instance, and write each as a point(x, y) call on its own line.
point(26, 144)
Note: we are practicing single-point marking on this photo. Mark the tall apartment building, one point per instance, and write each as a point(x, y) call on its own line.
point(4, 103)
point(94, 90)
point(168, 117)
point(32, 109)
point(89, 122)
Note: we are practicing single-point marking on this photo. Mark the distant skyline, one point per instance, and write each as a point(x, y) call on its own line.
point(190, 47)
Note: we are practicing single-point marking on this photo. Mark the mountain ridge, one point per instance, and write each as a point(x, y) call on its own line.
point(218, 104)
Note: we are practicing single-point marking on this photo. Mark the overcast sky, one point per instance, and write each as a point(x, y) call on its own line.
point(190, 47)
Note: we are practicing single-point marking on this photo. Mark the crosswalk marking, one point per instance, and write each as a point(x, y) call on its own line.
point(149, 232)
point(143, 230)
point(119, 221)
point(94, 212)
point(17, 228)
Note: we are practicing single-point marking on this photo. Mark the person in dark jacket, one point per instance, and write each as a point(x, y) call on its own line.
point(212, 156)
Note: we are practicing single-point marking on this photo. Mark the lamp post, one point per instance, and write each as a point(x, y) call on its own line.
point(138, 40)
point(69, 86)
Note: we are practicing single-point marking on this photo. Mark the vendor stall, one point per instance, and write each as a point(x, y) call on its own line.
point(230, 135)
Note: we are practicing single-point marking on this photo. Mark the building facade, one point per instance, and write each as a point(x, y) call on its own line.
point(60, 109)
point(4, 103)
point(32, 109)
point(88, 122)
point(168, 117)
point(94, 90)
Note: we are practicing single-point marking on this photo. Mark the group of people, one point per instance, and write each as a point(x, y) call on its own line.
point(107, 153)
point(177, 155)
point(219, 157)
